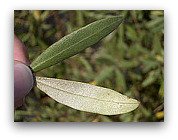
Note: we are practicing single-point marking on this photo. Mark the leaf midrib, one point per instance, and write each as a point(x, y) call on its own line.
point(83, 95)
point(73, 45)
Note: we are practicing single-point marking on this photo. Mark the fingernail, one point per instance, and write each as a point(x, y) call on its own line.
point(23, 81)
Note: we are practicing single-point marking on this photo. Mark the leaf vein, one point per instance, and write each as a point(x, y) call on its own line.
point(73, 45)
point(83, 95)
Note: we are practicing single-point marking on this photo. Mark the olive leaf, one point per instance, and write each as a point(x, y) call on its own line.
point(76, 42)
point(82, 96)
point(86, 97)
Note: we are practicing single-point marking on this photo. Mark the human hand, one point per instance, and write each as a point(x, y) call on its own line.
point(23, 77)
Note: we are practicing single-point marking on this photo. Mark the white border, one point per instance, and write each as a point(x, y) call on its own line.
point(51, 131)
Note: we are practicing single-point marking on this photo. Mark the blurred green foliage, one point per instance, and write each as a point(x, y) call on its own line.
point(130, 60)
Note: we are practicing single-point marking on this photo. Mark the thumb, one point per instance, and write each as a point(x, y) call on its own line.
point(23, 82)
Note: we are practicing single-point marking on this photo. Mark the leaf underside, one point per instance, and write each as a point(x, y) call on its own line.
point(76, 42)
point(86, 97)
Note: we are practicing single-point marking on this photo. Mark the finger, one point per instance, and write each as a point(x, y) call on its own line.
point(23, 82)
point(20, 51)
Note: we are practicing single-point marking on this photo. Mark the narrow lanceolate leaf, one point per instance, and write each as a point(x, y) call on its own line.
point(86, 97)
point(76, 42)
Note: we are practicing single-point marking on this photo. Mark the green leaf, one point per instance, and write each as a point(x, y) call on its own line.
point(161, 89)
point(86, 97)
point(128, 64)
point(120, 80)
point(151, 78)
point(104, 74)
point(76, 42)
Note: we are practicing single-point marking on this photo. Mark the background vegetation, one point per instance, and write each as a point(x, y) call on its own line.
point(130, 60)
